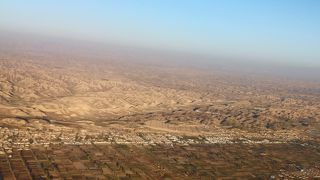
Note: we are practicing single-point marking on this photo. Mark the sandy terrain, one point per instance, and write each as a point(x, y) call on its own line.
point(50, 98)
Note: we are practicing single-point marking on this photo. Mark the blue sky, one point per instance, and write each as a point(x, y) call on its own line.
point(281, 31)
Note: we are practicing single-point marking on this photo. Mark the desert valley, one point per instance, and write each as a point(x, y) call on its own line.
point(70, 113)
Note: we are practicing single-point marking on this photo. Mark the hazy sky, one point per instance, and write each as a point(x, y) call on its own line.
point(283, 31)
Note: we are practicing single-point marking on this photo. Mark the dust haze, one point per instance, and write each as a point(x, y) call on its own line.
point(72, 109)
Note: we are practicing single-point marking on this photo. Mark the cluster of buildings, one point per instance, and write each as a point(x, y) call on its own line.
point(23, 138)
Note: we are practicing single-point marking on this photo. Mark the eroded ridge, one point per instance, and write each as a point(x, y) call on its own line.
point(67, 119)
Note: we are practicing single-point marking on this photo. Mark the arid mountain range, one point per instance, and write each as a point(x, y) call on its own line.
point(64, 87)
point(55, 93)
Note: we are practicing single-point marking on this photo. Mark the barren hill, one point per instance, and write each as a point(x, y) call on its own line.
point(73, 85)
